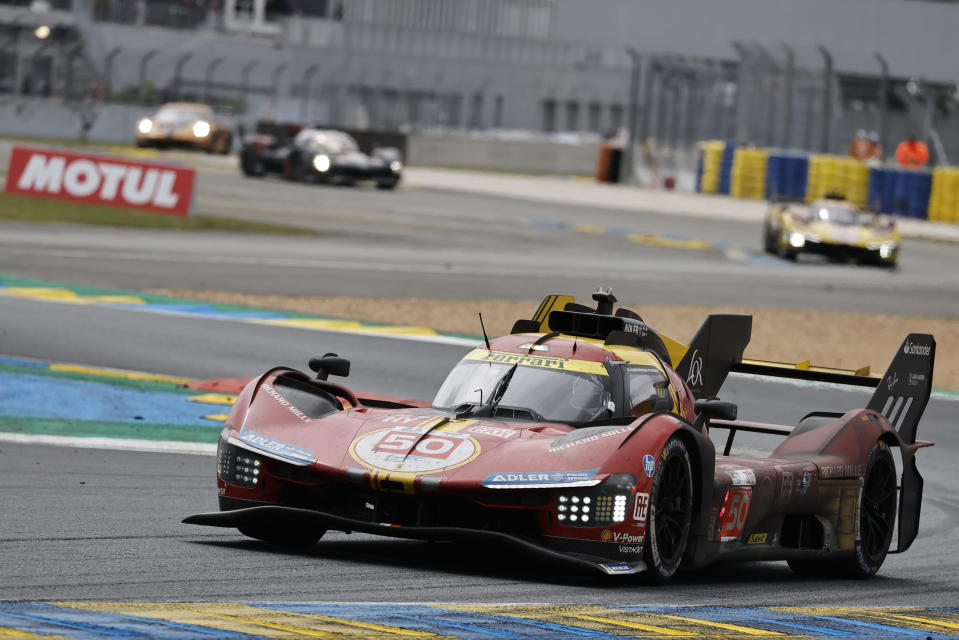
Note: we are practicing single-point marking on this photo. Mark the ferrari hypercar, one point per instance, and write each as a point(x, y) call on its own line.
point(585, 436)
point(831, 227)
point(320, 155)
point(185, 124)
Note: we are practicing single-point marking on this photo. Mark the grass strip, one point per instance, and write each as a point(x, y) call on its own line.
point(29, 209)
point(100, 429)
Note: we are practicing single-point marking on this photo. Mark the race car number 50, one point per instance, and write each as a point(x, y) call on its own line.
point(405, 449)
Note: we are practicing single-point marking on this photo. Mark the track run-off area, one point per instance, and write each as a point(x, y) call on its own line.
point(91, 543)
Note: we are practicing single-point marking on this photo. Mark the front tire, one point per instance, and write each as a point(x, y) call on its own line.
point(670, 513)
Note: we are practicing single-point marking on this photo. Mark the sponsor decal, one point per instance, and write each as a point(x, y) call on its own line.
point(892, 381)
point(606, 535)
point(635, 549)
point(529, 346)
point(616, 567)
point(276, 395)
point(280, 449)
point(592, 438)
point(639, 329)
point(624, 538)
point(841, 471)
point(542, 362)
point(695, 377)
point(916, 379)
point(641, 508)
point(804, 483)
point(405, 449)
point(498, 432)
point(786, 489)
point(757, 538)
point(530, 478)
point(649, 465)
point(80, 177)
point(916, 349)
point(744, 477)
point(732, 516)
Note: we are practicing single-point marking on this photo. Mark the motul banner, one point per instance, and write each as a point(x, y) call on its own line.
point(82, 177)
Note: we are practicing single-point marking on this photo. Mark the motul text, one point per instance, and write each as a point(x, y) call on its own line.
point(99, 179)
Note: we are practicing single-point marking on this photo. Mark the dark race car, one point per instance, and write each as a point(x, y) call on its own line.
point(320, 155)
point(584, 435)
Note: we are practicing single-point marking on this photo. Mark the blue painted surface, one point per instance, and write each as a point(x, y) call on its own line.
point(50, 397)
point(726, 167)
point(787, 173)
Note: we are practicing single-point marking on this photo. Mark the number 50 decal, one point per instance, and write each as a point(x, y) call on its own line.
point(735, 510)
point(402, 449)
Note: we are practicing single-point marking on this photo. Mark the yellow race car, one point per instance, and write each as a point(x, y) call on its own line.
point(831, 227)
point(185, 124)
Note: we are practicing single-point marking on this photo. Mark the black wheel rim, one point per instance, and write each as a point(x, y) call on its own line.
point(878, 514)
point(673, 508)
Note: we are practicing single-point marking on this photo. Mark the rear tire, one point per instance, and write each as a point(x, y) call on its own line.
point(670, 513)
point(876, 517)
point(284, 537)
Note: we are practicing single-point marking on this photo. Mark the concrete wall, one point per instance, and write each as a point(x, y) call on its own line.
point(537, 156)
point(43, 118)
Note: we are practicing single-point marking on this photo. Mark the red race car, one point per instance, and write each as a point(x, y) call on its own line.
point(580, 436)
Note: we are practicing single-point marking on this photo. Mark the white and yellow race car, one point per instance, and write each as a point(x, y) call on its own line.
point(831, 227)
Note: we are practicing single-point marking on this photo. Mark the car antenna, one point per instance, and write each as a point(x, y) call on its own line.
point(485, 337)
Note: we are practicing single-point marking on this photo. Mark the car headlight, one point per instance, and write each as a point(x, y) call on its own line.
point(201, 129)
point(145, 125)
point(887, 250)
point(597, 506)
point(796, 239)
point(236, 466)
point(321, 163)
point(396, 166)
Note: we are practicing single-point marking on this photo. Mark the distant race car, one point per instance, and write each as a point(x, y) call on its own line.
point(320, 155)
point(185, 124)
point(580, 437)
point(833, 228)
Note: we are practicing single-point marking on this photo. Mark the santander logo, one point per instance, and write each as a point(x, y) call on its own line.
point(103, 180)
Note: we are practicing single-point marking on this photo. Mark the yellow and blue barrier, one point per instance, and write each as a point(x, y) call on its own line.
point(733, 168)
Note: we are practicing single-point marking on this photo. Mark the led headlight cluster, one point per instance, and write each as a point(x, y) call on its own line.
point(602, 505)
point(237, 466)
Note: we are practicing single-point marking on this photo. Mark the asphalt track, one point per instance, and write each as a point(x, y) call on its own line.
point(82, 524)
point(103, 525)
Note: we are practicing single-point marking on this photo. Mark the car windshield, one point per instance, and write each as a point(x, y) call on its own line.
point(181, 114)
point(550, 395)
point(836, 214)
point(331, 141)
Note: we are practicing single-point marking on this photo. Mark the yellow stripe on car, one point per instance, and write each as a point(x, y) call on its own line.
point(542, 362)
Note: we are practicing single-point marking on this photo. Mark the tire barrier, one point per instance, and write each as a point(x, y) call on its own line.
point(732, 168)
point(709, 165)
point(944, 200)
point(748, 176)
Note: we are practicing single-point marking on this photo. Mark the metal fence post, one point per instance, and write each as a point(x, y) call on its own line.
point(144, 61)
point(305, 88)
point(210, 68)
point(108, 72)
point(178, 74)
point(626, 173)
point(277, 73)
point(788, 95)
point(245, 80)
point(826, 99)
point(883, 101)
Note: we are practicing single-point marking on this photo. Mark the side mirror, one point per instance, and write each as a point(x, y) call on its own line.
point(708, 409)
point(330, 365)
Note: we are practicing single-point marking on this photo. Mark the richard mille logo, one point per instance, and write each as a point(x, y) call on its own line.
point(695, 377)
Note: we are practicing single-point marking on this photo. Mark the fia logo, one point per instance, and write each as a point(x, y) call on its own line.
point(649, 465)
point(695, 377)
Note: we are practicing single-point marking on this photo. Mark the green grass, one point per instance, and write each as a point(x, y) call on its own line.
point(28, 209)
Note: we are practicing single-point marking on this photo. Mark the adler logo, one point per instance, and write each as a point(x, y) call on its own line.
point(101, 180)
point(916, 349)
